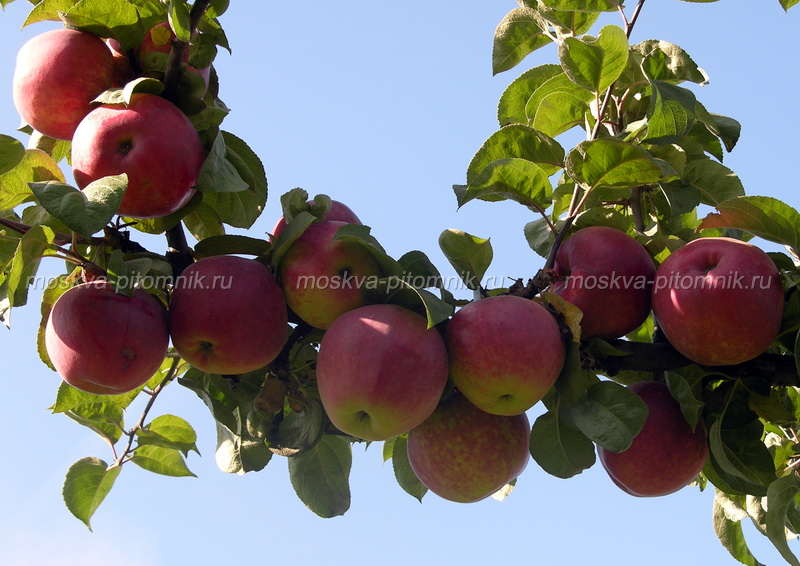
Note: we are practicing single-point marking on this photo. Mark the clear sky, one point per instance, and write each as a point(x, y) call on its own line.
point(381, 105)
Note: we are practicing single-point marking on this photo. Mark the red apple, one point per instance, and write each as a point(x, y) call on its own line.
point(608, 275)
point(228, 316)
point(123, 71)
point(505, 353)
point(719, 301)
point(106, 343)
point(380, 371)
point(152, 141)
point(58, 74)
point(665, 456)
point(154, 52)
point(464, 454)
point(322, 277)
point(338, 211)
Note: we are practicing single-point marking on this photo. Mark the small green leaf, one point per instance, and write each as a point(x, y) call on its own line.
point(403, 473)
point(514, 179)
point(557, 105)
point(48, 10)
point(730, 533)
point(362, 236)
point(517, 35)
point(218, 174)
point(169, 431)
point(511, 109)
point(321, 476)
point(294, 229)
point(179, 20)
point(664, 61)
point(87, 484)
point(401, 292)
point(469, 255)
point(517, 141)
point(388, 449)
point(786, 4)
point(240, 454)
point(26, 262)
point(682, 392)
point(35, 166)
point(141, 85)
point(611, 415)
point(765, 217)
point(583, 5)
point(86, 211)
point(614, 163)
point(741, 454)
point(780, 497)
point(593, 63)
point(561, 451)
point(671, 111)
point(11, 153)
point(715, 182)
point(540, 236)
point(301, 431)
point(160, 460)
point(231, 244)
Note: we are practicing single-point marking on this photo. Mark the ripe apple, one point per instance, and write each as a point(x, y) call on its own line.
point(464, 454)
point(322, 277)
point(505, 353)
point(152, 141)
point(608, 275)
point(665, 456)
point(123, 71)
point(227, 315)
point(338, 211)
point(719, 301)
point(154, 52)
point(58, 74)
point(380, 371)
point(103, 342)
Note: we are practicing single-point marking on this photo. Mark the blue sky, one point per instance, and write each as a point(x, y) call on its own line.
point(381, 105)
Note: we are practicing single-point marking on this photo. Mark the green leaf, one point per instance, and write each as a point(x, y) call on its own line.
point(179, 20)
point(682, 392)
point(240, 454)
point(557, 105)
point(69, 398)
point(403, 473)
point(231, 244)
point(87, 484)
point(729, 532)
point(780, 497)
point(726, 129)
point(786, 4)
point(141, 85)
point(321, 476)
point(301, 431)
point(540, 236)
point(741, 454)
point(560, 450)
point(218, 174)
point(469, 255)
point(613, 163)
point(401, 292)
point(511, 109)
point(160, 460)
point(595, 63)
point(516, 141)
point(388, 449)
point(35, 166)
point(294, 229)
point(514, 179)
point(611, 415)
point(583, 5)
point(671, 111)
point(664, 61)
point(26, 262)
point(361, 235)
point(48, 10)
point(715, 182)
point(797, 353)
point(169, 431)
point(566, 22)
point(517, 35)
point(11, 153)
point(86, 211)
point(765, 217)
point(203, 222)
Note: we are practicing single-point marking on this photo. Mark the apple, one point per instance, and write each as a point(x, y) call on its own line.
point(338, 211)
point(666, 455)
point(505, 352)
point(719, 301)
point(323, 277)
point(123, 71)
point(154, 52)
point(380, 371)
point(608, 275)
point(228, 316)
point(464, 454)
point(103, 342)
point(58, 74)
point(152, 141)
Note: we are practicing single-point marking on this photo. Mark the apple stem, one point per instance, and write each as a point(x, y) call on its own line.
point(174, 67)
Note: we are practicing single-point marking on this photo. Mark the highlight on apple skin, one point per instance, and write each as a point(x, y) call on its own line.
point(103, 342)
point(719, 301)
point(153, 142)
point(228, 315)
point(338, 212)
point(464, 454)
point(505, 352)
point(57, 75)
point(608, 275)
point(380, 371)
point(666, 455)
point(322, 277)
